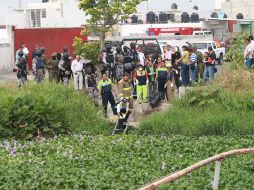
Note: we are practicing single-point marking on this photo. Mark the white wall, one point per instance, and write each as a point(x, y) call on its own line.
point(6, 50)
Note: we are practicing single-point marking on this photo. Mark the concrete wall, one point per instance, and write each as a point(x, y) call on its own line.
point(6, 50)
point(234, 7)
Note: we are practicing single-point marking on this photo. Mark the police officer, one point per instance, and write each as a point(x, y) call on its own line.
point(127, 60)
point(22, 68)
point(105, 90)
point(141, 80)
point(52, 67)
point(162, 77)
point(134, 54)
point(109, 65)
point(125, 90)
point(65, 69)
point(38, 67)
point(91, 87)
point(118, 59)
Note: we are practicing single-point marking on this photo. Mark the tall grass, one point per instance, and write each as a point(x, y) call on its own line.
point(204, 111)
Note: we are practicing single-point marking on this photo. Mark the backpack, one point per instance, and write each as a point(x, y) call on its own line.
point(110, 57)
point(39, 63)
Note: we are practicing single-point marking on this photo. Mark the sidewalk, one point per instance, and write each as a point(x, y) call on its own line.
point(12, 76)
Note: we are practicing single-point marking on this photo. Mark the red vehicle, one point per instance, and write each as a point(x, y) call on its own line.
point(172, 31)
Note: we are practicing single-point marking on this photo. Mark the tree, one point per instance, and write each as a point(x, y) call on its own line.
point(104, 14)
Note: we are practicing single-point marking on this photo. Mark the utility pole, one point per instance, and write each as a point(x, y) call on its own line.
point(19, 4)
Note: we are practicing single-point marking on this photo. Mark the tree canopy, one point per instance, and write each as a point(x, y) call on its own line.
point(104, 14)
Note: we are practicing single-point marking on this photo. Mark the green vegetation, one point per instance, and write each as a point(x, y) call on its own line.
point(204, 111)
point(88, 50)
point(103, 15)
point(48, 109)
point(115, 162)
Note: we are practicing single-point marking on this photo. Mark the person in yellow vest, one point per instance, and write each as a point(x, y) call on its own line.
point(141, 80)
point(162, 77)
point(125, 90)
point(105, 90)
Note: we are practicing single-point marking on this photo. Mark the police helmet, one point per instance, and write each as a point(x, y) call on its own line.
point(54, 54)
point(38, 53)
point(132, 44)
point(118, 49)
point(43, 49)
point(125, 48)
point(108, 47)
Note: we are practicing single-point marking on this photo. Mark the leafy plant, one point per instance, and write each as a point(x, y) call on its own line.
point(89, 50)
point(236, 50)
point(27, 118)
point(120, 162)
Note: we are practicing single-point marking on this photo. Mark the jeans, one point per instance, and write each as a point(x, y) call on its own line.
point(185, 74)
point(248, 63)
point(193, 73)
point(208, 73)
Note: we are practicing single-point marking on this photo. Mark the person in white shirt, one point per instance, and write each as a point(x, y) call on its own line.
point(77, 70)
point(141, 56)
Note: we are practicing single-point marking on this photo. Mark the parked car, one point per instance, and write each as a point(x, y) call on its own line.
point(203, 47)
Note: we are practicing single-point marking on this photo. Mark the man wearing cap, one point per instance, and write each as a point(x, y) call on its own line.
point(125, 90)
point(162, 77)
point(38, 67)
point(22, 68)
point(141, 80)
point(52, 67)
point(77, 70)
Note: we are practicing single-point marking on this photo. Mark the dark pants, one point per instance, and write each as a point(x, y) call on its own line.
point(185, 74)
point(108, 97)
point(161, 88)
point(122, 121)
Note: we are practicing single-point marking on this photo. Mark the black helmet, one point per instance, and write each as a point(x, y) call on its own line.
point(38, 53)
point(118, 49)
point(132, 44)
point(125, 48)
point(108, 47)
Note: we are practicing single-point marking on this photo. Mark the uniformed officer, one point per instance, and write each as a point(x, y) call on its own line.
point(38, 67)
point(118, 59)
point(52, 67)
point(22, 68)
point(105, 90)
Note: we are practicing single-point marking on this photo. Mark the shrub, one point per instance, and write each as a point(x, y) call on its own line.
point(27, 117)
point(56, 104)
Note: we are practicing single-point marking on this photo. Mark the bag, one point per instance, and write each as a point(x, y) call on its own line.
point(39, 64)
point(154, 100)
point(110, 58)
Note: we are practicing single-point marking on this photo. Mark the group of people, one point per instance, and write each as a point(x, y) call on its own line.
point(249, 52)
point(136, 73)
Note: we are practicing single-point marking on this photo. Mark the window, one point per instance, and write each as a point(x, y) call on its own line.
point(35, 18)
point(43, 13)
